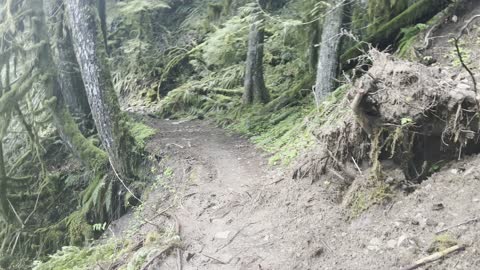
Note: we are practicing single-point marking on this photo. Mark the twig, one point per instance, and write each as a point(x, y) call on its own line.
point(178, 231)
point(233, 237)
point(213, 258)
point(458, 225)
point(177, 145)
point(435, 256)
point(460, 56)
point(276, 181)
point(145, 266)
point(356, 165)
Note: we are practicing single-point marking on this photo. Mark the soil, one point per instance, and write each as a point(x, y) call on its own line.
point(236, 212)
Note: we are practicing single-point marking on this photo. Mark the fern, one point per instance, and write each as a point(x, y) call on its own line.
point(136, 6)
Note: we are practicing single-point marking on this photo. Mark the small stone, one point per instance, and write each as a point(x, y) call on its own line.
point(374, 244)
point(222, 235)
point(391, 244)
point(438, 206)
point(476, 200)
point(317, 252)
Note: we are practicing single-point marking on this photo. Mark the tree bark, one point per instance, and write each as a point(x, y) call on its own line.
point(70, 79)
point(91, 55)
point(327, 65)
point(93, 157)
point(255, 89)
point(4, 208)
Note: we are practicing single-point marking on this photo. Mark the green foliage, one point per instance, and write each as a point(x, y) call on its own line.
point(227, 45)
point(408, 38)
point(132, 7)
point(76, 258)
point(140, 132)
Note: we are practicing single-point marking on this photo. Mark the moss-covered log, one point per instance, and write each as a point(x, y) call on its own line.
point(386, 34)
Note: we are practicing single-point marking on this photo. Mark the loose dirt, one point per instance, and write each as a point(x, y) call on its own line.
point(236, 212)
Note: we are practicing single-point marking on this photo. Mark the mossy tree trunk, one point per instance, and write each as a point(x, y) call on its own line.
point(327, 65)
point(70, 79)
point(255, 89)
point(93, 157)
point(89, 45)
point(419, 12)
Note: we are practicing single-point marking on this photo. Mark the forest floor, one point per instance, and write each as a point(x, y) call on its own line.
point(233, 211)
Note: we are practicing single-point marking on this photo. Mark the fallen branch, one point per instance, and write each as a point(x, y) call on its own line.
point(458, 225)
point(435, 256)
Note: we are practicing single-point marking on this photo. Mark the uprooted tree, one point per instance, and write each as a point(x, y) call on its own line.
point(408, 113)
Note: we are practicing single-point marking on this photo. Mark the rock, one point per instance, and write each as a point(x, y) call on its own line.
point(316, 253)
point(374, 244)
point(222, 235)
point(391, 244)
point(438, 206)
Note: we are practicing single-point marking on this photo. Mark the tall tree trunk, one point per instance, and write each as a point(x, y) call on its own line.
point(91, 55)
point(70, 79)
point(255, 89)
point(102, 13)
point(327, 66)
point(4, 207)
point(93, 157)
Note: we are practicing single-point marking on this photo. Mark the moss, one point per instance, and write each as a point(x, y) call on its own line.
point(386, 33)
point(367, 196)
point(442, 242)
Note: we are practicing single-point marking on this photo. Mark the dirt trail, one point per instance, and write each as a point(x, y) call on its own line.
point(235, 212)
point(218, 185)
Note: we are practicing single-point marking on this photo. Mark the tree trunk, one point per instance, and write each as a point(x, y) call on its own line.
point(91, 55)
point(70, 79)
point(327, 65)
point(255, 90)
point(93, 157)
point(4, 207)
